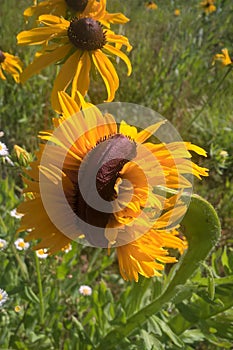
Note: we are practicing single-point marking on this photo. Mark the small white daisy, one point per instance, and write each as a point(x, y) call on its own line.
point(21, 245)
point(3, 244)
point(3, 150)
point(41, 253)
point(15, 214)
point(3, 297)
point(85, 290)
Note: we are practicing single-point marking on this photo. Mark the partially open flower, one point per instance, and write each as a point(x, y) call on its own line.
point(97, 181)
point(223, 57)
point(11, 65)
point(22, 155)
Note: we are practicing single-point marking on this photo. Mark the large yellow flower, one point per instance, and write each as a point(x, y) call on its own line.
point(77, 46)
point(10, 64)
point(100, 182)
point(81, 8)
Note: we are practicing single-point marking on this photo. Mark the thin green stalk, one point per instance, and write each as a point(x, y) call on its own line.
point(21, 264)
point(210, 99)
point(39, 282)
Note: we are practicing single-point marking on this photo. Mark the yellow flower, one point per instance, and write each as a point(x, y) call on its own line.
point(150, 5)
point(77, 46)
point(10, 64)
point(177, 12)
point(223, 57)
point(80, 8)
point(98, 182)
point(208, 6)
point(22, 155)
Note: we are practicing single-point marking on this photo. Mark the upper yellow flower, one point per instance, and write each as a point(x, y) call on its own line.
point(100, 182)
point(10, 64)
point(77, 46)
point(208, 6)
point(81, 8)
point(223, 57)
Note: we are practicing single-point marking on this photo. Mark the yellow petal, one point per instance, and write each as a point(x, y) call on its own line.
point(39, 35)
point(128, 130)
point(107, 72)
point(196, 149)
point(81, 79)
point(44, 60)
point(148, 132)
point(64, 78)
point(68, 106)
point(120, 54)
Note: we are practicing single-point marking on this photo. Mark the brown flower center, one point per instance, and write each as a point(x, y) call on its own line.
point(77, 5)
point(86, 34)
point(2, 57)
point(99, 172)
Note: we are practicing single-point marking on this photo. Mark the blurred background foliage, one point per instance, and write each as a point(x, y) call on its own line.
point(172, 74)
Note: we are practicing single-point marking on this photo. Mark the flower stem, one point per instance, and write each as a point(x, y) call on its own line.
point(210, 99)
point(41, 298)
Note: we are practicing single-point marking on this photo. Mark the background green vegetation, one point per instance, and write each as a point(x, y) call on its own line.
point(172, 74)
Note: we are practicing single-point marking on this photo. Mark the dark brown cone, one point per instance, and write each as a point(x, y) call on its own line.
point(86, 34)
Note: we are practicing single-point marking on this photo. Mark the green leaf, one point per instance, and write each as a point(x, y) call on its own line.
point(150, 341)
point(202, 228)
point(167, 330)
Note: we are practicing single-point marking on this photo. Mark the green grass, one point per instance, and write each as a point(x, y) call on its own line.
point(173, 75)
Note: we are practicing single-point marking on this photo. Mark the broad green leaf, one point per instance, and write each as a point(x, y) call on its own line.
point(202, 228)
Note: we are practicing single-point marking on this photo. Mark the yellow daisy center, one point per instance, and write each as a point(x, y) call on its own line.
point(86, 34)
point(1, 296)
point(2, 59)
point(1, 244)
point(41, 252)
point(77, 5)
point(21, 244)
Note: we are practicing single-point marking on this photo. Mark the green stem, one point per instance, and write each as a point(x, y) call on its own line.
point(41, 298)
point(210, 99)
point(21, 264)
